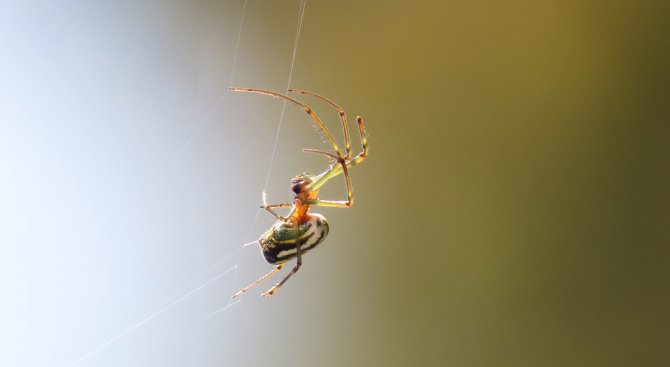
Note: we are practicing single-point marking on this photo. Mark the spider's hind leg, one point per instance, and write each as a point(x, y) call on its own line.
point(295, 269)
point(243, 290)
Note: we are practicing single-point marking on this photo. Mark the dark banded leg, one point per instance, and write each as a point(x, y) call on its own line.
point(276, 269)
point(295, 268)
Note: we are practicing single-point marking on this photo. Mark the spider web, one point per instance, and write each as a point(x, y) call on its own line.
point(195, 287)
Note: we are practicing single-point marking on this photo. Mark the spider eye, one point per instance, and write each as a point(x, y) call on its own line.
point(296, 188)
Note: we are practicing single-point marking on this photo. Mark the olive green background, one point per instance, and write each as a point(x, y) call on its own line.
point(513, 211)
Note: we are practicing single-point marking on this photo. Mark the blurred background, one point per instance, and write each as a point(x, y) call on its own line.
point(513, 211)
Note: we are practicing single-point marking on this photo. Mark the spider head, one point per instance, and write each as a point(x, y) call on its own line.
point(300, 183)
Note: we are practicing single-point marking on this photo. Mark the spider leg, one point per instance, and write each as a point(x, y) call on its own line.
point(364, 140)
point(276, 269)
point(295, 269)
point(273, 212)
point(350, 192)
point(307, 109)
point(269, 207)
point(336, 170)
point(340, 111)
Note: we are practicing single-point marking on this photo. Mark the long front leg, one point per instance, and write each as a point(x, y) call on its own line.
point(350, 192)
point(340, 111)
point(306, 108)
point(337, 169)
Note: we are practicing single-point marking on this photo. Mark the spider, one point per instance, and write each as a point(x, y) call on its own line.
point(300, 231)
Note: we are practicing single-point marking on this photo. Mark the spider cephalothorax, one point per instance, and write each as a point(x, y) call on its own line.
point(300, 182)
point(300, 231)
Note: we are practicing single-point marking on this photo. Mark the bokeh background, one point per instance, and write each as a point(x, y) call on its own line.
point(513, 212)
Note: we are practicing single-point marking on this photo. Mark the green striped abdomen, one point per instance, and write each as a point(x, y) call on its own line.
point(278, 244)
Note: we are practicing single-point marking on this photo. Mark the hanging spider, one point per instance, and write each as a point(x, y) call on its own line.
point(300, 231)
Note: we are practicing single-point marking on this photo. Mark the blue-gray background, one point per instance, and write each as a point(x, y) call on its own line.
point(513, 212)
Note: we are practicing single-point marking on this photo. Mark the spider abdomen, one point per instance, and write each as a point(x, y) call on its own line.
point(278, 244)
